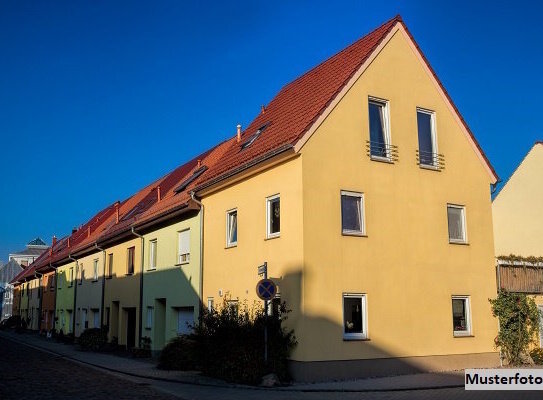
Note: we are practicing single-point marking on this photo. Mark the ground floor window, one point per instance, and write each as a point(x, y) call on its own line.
point(95, 318)
point(149, 323)
point(185, 320)
point(461, 316)
point(354, 317)
point(210, 304)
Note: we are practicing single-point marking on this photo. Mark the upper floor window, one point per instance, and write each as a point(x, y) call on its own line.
point(81, 274)
point(273, 216)
point(95, 269)
point(379, 144)
point(71, 276)
point(110, 265)
point(456, 218)
point(426, 126)
point(130, 260)
point(152, 254)
point(352, 213)
point(184, 247)
point(231, 228)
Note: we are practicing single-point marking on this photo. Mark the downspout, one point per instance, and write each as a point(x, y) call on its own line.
point(201, 283)
point(499, 289)
point(55, 306)
point(140, 325)
point(74, 283)
point(103, 285)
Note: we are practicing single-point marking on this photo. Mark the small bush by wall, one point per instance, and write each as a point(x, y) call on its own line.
point(93, 339)
point(179, 354)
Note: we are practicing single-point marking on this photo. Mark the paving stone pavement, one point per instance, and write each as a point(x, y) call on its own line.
point(28, 372)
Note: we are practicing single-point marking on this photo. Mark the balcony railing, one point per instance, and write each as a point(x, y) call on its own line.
point(382, 151)
point(428, 159)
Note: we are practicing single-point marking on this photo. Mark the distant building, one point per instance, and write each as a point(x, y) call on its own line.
point(7, 273)
point(27, 256)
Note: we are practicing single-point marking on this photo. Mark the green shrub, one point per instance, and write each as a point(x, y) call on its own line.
point(537, 356)
point(93, 339)
point(179, 354)
point(519, 323)
point(230, 344)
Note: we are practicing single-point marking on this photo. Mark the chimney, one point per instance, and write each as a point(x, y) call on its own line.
point(50, 251)
point(263, 109)
point(158, 192)
point(199, 163)
point(74, 230)
point(117, 212)
point(88, 231)
point(239, 133)
point(68, 242)
point(54, 241)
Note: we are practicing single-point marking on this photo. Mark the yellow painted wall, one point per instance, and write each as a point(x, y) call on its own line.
point(89, 292)
point(123, 288)
point(170, 284)
point(405, 265)
point(517, 211)
point(65, 297)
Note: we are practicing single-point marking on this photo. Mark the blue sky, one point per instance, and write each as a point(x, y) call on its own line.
point(98, 98)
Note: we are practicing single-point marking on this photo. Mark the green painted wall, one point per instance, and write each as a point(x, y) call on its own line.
point(65, 297)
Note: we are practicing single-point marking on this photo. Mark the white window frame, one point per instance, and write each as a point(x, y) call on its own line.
point(364, 304)
point(153, 246)
point(349, 232)
point(71, 276)
point(210, 304)
point(149, 317)
point(269, 200)
point(468, 331)
point(187, 260)
point(464, 240)
point(433, 127)
point(229, 214)
point(386, 115)
point(95, 270)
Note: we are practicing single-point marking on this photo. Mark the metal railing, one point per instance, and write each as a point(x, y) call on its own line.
point(380, 150)
point(431, 160)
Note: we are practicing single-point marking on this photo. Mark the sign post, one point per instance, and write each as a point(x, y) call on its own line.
point(265, 290)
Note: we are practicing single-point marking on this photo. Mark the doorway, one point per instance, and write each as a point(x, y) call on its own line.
point(130, 327)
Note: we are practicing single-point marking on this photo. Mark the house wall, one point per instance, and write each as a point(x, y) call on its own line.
point(89, 292)
point(33, 308)
point(65, 297)
point(517, 211)
point(48, 301)
point(406, 265)
point(170, 286)
point(122, 291)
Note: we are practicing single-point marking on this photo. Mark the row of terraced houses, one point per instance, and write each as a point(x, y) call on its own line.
point(359, 184)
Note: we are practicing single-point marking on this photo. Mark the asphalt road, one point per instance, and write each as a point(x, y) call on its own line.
point(28, 373)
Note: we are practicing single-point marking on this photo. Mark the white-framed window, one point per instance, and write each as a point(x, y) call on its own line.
point(379, 125)
point(233, 306)
point(210, 304)
point(426, 127)
point(184, 247)
point(110, 265)
point(352, 213)
point(84, 321)
point(461, 315)
point(273, 216)
point(95, 318)
point(71, 276)
point(231, 228)
point(185, 320)
point(355, 325)
point(95, 270)
point(149, 322)
point(152, 254)
point(131, 252)
point(456, 218)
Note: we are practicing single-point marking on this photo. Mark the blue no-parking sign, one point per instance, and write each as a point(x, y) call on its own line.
point(266, 289)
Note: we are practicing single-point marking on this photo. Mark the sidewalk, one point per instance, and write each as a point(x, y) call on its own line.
point(146, 369)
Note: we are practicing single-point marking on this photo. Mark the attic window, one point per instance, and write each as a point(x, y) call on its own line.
point(190, 179)
point(255, 136)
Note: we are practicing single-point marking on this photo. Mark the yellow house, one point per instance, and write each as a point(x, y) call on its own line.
point(368, 196)
point(518, 229)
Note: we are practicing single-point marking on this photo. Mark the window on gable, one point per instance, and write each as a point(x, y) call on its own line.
point(184, 247)
point(354, 317)
point(273, 216)
point(352, 213)
point(231, 228)
point(461, 316)
point(427, 138)
point(456, 218)
point(379, 144)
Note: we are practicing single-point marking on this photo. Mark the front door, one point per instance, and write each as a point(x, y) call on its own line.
point(130, 328)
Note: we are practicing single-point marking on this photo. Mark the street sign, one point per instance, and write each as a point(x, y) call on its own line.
point(266, 289)
point(263, 269)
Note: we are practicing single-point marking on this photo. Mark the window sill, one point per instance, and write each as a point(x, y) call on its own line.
point(274, 236)
point(458, 242)
point(151, 269)
point(350, 233)
point(385, 160)
point(129, 274)
point(429, 167)
point(183, 263)
point(109, 277)
point(229, 246)
point(463, 335)
point(356, 339)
